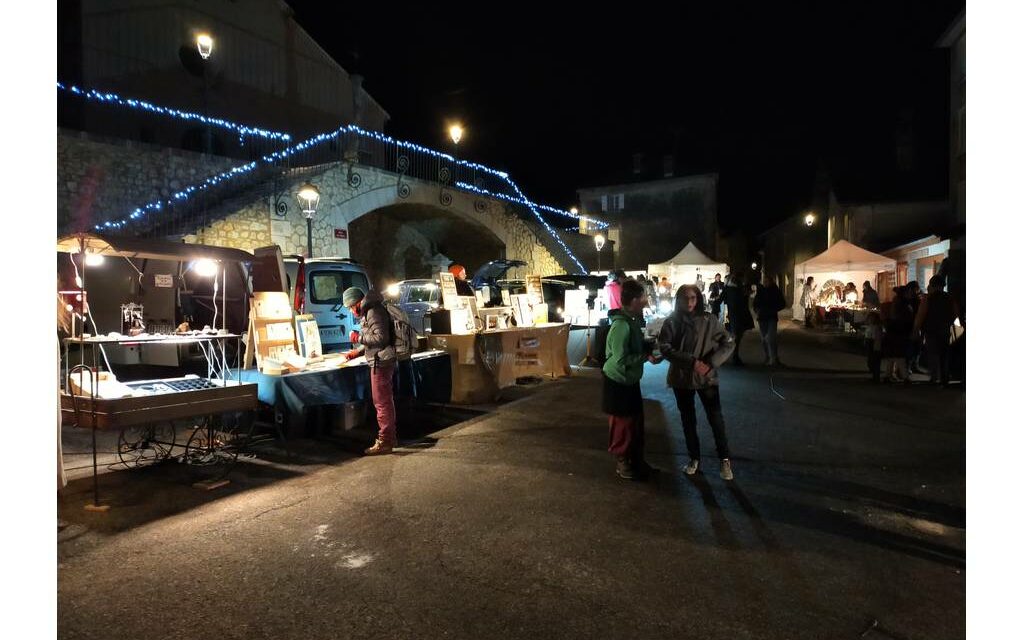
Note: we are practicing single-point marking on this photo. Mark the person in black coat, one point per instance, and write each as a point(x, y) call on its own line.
point(768, 302)
point(736, 298)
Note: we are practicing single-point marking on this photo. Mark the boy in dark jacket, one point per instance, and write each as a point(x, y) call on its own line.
point(625, 355)
point(376, 343)
point(696, 344)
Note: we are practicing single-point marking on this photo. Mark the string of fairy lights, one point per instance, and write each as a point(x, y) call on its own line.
point(267, 159)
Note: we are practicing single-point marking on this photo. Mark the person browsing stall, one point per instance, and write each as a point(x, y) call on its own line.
point(376, 343)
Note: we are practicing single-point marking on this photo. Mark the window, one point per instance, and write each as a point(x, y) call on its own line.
point(328, 286)
point(614, 202)
point(638, 163)
point(422, 293)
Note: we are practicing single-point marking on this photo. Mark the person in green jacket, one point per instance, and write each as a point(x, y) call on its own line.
point(625, 355)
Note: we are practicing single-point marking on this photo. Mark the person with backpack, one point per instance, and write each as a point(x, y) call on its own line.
point(384, 340)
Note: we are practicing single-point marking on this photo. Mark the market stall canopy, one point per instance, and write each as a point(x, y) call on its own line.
point(148, 248)
point(684, 266)
point(842, 262)
point(845, 256)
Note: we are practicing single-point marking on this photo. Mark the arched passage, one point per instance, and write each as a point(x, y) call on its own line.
point(409, 240)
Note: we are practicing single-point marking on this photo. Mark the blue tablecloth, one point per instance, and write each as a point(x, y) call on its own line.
point(426, 377)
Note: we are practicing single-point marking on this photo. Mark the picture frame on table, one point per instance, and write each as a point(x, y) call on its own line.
point(308, 333)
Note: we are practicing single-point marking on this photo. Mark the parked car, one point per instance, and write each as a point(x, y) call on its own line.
point(321, 283)
point(417, 298)
point(488, 275)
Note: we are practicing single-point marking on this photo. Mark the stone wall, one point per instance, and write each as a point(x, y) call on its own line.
point(100, 179)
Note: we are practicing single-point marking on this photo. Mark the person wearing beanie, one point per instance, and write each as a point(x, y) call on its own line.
point(462, 286)
point(375, 342)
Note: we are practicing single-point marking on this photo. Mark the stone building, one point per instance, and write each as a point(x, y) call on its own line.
point(652, 219)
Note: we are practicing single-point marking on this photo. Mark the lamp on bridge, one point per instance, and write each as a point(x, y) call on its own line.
point(309, 198)
point(205, 45)
point(599, 243)
point(455, 132)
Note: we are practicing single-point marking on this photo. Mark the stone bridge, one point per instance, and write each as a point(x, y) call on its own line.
point(400, 227)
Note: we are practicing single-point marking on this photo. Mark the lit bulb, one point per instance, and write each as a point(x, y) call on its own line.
point(93, 259)
point(392, 290)
point(205, 267)
point(78, 282)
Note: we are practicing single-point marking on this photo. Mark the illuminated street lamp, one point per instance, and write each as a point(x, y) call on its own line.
point(809, 219)
point(205, 45)
point(455, 132)
point(753, 266)
point(574, 211)
point(309, 198)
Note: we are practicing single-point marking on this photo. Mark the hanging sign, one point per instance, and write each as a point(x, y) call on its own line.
point(164, 280)
point(341, 234)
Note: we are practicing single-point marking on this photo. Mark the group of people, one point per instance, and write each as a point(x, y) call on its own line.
point(810, 297)
point(911, 323)
point(695, 344)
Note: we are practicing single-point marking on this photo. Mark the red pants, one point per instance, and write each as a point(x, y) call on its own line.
point(626, 436)
point(382, 388)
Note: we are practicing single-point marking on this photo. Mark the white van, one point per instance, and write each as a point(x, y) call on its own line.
point(322, 282)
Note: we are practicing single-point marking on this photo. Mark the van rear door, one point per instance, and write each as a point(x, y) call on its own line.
point(325, 284)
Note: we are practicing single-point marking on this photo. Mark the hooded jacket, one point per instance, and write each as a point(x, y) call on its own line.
point(688, 337)
point(375, 334)
point(624, 349)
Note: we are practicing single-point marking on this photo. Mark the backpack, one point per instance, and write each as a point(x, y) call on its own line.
point(403, 335)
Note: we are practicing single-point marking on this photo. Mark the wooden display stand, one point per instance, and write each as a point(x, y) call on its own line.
point(271, 332)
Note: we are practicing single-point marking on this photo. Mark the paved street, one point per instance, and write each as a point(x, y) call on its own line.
point(846, 516)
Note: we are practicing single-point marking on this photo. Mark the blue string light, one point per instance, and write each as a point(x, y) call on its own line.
point(543, 207)
point(309, 143)
point(113, 98)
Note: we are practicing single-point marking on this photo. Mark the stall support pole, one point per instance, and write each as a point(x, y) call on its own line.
point(589, 361)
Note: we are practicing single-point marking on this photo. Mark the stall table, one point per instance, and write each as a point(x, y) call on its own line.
point(486, 362)
point(293, 394)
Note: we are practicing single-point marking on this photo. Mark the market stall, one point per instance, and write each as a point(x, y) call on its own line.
point(144, 411)
point(842, 263)
point(484, 363)
point(345, 386)
point(491, 347)
point(684, 267)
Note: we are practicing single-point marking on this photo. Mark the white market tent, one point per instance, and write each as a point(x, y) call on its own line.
point(842, 261)
point(685, 265)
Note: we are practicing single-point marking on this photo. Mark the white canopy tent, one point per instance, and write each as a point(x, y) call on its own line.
point(842, 261)
point(685, 265)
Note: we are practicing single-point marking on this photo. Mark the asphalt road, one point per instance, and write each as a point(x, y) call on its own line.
point(846, 518)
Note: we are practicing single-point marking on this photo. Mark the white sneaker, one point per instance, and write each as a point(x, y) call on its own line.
point(691, 467)
point(726, 471)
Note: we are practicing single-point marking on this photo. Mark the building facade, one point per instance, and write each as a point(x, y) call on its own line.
point(652, 220)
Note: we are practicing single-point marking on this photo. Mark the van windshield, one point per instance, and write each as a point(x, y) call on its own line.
point(327, 287)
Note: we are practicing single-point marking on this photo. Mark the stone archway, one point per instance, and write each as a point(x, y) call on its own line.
point(396, 242)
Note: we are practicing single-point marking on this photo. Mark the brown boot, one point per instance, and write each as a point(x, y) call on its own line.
point(379, 448)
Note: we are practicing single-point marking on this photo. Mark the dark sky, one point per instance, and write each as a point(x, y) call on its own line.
point(761, 92)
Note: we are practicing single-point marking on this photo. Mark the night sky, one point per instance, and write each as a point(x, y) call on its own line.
point(763, 94)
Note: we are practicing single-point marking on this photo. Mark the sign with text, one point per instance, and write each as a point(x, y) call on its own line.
point(164, 280)
point(449, 293)
point(341, 234)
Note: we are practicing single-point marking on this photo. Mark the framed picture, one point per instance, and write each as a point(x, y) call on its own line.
point(308, 334)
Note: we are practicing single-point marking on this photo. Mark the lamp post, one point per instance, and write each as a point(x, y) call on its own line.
point(309, 198)
point(599, 243)
point(810, 218)
point(590, 360)
point(204, 44)
point(455, 133)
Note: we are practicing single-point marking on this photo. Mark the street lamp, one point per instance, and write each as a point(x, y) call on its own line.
point(753, 266)
point(599, 243)
point(809, 219)
point(574, 211)
point(205, 45)
point(309, 198)
point(455, 132)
